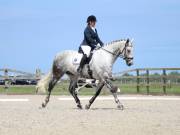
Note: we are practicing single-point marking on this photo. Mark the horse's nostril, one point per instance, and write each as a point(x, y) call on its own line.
point(129, 64)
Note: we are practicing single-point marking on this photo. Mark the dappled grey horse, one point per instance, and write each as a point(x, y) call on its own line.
point(101, 65)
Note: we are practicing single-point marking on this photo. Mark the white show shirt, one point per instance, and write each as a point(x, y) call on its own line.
point(93, 28)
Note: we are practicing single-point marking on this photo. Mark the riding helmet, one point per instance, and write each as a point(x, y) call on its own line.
point(91, 18)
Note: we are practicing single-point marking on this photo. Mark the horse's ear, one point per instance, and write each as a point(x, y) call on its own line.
point(127, 40)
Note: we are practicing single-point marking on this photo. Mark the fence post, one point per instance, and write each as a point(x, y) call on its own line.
point(164, 81)
point(147, 81)
point(38, 74)
point(6, 79)
point(138, 81)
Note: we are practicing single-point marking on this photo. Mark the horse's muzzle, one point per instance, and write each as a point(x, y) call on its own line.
point(130, 64)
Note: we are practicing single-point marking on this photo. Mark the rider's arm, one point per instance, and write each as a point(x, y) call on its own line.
point(99, 40)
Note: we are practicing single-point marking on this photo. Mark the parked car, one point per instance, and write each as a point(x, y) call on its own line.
point(22, 82)
point(2, 82)
point(33, 82)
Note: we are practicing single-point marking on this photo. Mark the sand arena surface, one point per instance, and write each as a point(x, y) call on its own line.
point(140, 117)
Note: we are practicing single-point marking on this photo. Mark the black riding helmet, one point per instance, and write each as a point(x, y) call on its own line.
point(91, 18)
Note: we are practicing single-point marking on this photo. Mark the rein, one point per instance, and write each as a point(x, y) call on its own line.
point(119, 54)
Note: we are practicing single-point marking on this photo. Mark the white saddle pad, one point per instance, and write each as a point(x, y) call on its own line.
point(77, 59)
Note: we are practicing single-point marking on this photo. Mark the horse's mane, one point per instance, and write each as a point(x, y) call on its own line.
point(114, 41)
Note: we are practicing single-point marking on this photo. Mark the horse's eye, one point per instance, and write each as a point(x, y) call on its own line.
point(128, 51)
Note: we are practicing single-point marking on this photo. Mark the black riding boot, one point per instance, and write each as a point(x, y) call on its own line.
point(82, 63)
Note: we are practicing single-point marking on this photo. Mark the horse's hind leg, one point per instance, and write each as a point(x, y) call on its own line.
point(52, 83)
point(56, 75)
point(113, 90)
point(72, 88)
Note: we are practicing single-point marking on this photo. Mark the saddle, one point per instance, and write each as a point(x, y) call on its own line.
point(77, 59)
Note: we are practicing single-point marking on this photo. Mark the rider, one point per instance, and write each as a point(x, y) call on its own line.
point(90, 42)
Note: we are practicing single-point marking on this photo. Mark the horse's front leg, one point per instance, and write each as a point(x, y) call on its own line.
point(113, 90)
point(98, 90)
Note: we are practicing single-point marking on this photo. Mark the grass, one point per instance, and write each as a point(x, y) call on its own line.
point(18, 90)
point(62, 89)
point(154, 89)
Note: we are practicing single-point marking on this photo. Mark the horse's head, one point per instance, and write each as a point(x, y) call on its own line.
point(128, 52)
point(121, 48)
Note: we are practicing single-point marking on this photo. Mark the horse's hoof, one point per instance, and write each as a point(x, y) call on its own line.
point(79, 106)
point(43, 105)
point(120, 107)
point(87, 107)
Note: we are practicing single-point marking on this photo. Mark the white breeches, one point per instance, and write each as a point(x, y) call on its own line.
point(86, 49)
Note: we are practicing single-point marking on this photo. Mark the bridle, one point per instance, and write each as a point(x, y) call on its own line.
point(120, 53)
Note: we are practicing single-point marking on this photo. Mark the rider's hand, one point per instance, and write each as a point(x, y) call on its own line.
point(98, 45)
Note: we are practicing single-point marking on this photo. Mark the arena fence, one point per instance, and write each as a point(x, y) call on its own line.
point(163, 77)
point(160, 80)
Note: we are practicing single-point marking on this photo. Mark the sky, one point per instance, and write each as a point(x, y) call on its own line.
point(32, 32)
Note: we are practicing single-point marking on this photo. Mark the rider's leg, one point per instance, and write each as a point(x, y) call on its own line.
point(82, 63)
point(86, 52)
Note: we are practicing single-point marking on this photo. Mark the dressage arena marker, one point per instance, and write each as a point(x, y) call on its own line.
point(125, 98)
point(103, 98)
point(14, 100)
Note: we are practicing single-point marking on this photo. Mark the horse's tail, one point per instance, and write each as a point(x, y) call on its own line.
point(42, 85)
point(55, 74)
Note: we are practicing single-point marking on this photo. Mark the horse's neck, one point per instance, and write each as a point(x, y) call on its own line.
point(105, 58)
point(115, 48)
